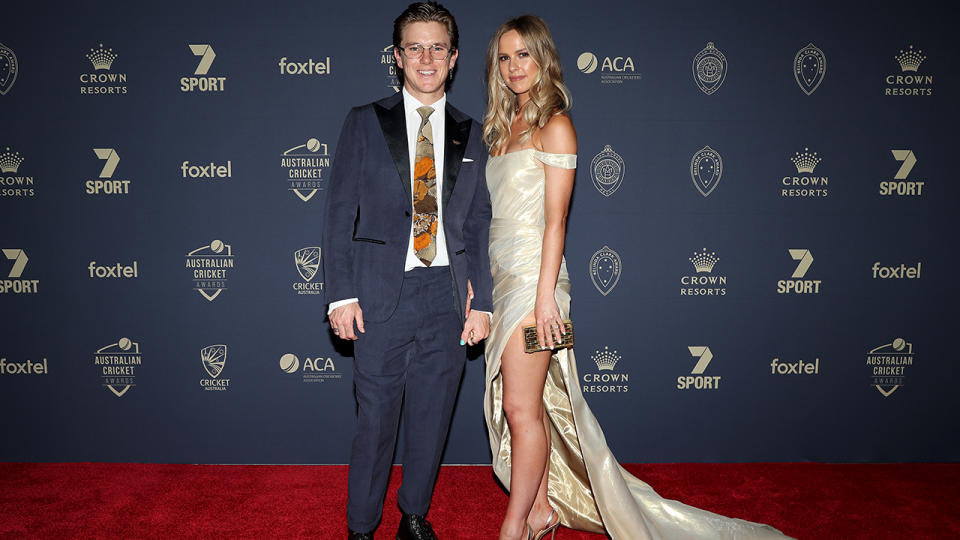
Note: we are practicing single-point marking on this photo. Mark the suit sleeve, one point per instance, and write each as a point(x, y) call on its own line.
point(343, 200)
point(477, 239)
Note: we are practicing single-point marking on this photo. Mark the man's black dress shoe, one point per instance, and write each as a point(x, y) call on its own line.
point(414, 527)
point(360, 536)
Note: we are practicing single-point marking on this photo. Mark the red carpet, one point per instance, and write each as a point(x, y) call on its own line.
point(808, 501)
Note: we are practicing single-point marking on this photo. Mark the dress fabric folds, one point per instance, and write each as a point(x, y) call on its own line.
point(587, 486)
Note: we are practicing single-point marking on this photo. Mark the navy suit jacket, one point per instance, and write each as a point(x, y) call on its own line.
point(368, 215)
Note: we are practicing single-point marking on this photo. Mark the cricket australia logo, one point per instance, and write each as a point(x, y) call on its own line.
point(605, 268)
point(9, 67)
point(214, 358)
point(809, 67)
point(606, 171)
point(706, 168)
point(210, 265)
point(709, 69)
point(308, 264)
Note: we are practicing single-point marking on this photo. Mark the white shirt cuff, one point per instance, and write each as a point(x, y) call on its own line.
point(338, 303)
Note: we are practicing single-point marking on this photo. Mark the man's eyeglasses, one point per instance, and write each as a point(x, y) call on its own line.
point(415, 51)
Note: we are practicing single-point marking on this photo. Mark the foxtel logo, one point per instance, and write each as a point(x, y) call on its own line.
point(23, 368)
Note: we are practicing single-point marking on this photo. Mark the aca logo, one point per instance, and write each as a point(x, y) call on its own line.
point(203, 84)
point(9, 68)
point(809, 68)
point(13, 284)
point(606, 171)
point(696, 380)
point(709, 69)
point(106, 184)
point(211, 265)
point(706, 169)
point(805, 184)
point(117, 364)
point(106, 83)
point(606, 380)
point(309, 67)
point(704, 282)
point(908, 82)
point(389, 64)
point(303, 167)
point(900, 186)
point(214, 359)
point(13, 184)
point(318, 369)
point(307, 261)
point(798, 285)
point(605, 269)
point(613, 70)
point(888, 365)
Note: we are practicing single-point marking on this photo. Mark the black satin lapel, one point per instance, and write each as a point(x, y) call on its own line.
point(394, 126)
point(456, 144)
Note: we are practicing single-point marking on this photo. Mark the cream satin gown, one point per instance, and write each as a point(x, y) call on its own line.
point(587, 486)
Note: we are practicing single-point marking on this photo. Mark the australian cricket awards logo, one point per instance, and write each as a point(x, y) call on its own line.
point(909, 82)
point(606, 171)
point(805, 184)
point(9, 67)
point(706, 169)
point(207, 83)
point(13, 284)
point(613, 69)
point(318, 369)
point(606, 380)
point(703, 282)
point(303, 165)
point(809, 68)
point(797, 284)
point(900, 185)
point(709, 69)
point(389, 64)
point(696, 380)
point(106, 184)
point(214, 359)
point(605, 269)
point(211, 266)
point(888, 365)
point(307, 261)
point(102, 81)
point(12, 182)
point(118, 363)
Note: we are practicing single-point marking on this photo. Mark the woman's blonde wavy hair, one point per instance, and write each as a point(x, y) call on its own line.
point(548, 94)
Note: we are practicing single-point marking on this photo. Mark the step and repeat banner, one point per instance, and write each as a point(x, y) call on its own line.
point(759, 239)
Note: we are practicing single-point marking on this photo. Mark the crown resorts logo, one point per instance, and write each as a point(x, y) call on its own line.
point(318, 369)
point(697, 380)
point(896, 272)
point(13, 284)
point(303, 167)
point(210, 265)
point(900, 186)
point(704, 282)
point(214, 359)
point(804, 183)
point(117, 364)
point(309, 67)
point(606, 171)
point(97, 83)
point(389, 62)
point(210, 171)
point(203, 84)
point(797, 285)
point(106, 184)
point(9, 68)
point(307, 261)
point(709, 69)
point(13, 184)
point(888, 365)
point(809, 68)
point(606, 380)
point(706, 169)
point(605, 269)
point(909, 82)
point(613, 70)
point(27, 367)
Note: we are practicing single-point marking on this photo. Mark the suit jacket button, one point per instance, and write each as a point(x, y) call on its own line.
point(406, 213)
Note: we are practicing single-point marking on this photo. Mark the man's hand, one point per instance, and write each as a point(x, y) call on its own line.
point(342, 320)
point(476, 328)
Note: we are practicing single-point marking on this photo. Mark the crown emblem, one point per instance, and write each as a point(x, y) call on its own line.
point(704, 261)
point(806, 161)
point(10, 162)
point(606, 359)
point(102, 58)
point(910, 60)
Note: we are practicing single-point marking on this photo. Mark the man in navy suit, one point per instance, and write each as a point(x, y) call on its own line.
point(406, 267)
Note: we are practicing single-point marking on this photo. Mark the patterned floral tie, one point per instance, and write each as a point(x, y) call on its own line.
point(425, 192)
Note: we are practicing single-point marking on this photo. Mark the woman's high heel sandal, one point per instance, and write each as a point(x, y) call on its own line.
point(553, 521)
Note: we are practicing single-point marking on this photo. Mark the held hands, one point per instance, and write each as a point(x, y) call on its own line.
point(342, 320)
point(550, 328)
point(477, 325)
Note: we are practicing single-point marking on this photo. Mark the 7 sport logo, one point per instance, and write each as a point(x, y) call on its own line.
point(202, 84)
point(697, 380)
point(12, 284)
point(798, 285)
point(900, 185)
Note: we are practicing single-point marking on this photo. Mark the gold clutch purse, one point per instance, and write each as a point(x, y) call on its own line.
point(531, 345)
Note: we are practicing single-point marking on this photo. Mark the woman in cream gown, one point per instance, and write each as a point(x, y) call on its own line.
point(581, 481)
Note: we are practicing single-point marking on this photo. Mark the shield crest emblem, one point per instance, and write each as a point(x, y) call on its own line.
point(605, 268)
point(809, 67)
point(308, 262)
point(9, 67)
point(897, 355)
point(709, 69)
point(706, 168)
point(214, 357)
point(606, 171)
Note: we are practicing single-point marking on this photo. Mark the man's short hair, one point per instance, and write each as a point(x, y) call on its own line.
point(426, 12)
